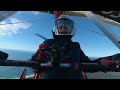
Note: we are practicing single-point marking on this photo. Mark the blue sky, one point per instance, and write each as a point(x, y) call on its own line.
point(22, 36)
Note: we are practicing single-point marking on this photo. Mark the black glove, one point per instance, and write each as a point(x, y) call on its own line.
point(111, 65)
point(3, 55)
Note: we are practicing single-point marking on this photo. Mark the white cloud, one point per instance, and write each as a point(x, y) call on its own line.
point(35, 12)
point(10, 29)
point(19, 11)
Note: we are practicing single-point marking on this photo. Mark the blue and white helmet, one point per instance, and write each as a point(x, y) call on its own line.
point(64, 26)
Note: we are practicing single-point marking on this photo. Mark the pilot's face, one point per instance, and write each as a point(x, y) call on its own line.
point(63, 29)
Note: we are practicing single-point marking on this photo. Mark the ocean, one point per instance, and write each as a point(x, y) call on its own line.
point(11, 72)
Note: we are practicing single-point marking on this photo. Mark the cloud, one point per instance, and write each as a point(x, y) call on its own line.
point(10, 29)
point(35, 12)
point(19, 11)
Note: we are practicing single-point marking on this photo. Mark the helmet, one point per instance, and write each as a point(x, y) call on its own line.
point(64, 26)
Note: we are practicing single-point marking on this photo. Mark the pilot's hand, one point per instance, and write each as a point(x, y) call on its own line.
point(108, 63)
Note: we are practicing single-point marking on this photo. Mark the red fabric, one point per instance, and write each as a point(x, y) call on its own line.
point(84, 75)
point(23, 74)
point(41, 46)
point(107, 61)
point(40, 52)
point(36, 76)
point(76, 66)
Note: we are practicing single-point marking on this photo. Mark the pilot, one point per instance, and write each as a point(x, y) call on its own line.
point(61, 49)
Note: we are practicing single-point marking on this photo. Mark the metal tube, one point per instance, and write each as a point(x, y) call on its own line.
point(106, 30)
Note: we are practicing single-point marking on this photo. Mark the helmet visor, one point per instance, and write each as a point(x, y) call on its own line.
point(64, 26)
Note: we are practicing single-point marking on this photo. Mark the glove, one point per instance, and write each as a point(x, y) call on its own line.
point(37, 57)
point(40, 52)
point(108, 63)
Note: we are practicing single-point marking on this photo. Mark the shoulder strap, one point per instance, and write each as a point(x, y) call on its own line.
point(48, 41)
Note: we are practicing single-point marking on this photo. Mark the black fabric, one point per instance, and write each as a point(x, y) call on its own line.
point(77, 55)
point(61, 74)
point(3, 55)
point(71, 52)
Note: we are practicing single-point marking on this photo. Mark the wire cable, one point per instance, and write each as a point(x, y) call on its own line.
point(92, 31)
point(25, 22)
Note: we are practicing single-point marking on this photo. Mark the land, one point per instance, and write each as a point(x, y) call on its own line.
point(102, 75)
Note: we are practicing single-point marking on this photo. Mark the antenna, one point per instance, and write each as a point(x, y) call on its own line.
point(41, 36)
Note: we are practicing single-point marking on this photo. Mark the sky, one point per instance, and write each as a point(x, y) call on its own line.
point(21, 36)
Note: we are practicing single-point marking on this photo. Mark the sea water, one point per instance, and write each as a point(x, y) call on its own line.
point(9, 72)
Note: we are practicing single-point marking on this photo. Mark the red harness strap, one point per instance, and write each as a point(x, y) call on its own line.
point(36, 75)
point(23, 74)
point(84, 75)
